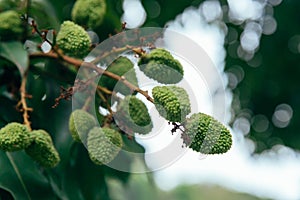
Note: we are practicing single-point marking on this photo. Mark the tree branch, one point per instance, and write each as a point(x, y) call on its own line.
point(78, 63)
point(22, 104)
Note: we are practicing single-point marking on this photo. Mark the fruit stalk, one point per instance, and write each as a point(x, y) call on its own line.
point(22, 104)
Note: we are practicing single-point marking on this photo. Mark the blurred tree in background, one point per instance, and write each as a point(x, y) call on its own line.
point(264, 80)
point(268, 95)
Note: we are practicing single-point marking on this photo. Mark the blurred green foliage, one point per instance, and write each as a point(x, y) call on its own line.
point(271, 78)
point(141, 187)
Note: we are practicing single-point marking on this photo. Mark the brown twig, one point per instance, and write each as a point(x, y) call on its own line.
point(86, 105)
point(22, 104)
point(43, 35)
point(67, 93)
point(105, 101)
point(124, 26)
point(105, 90)
point(100, 71)
point(114, 50)
point(108, 120)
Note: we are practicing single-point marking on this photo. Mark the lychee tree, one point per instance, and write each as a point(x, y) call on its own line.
point(51, 151)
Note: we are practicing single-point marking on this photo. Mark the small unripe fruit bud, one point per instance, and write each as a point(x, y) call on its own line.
point(103, 145)
point(80, 123)
point(122, 66)
point(73, 40)
point(160, 65)
point(171, 102)
point(42, 149)
point(14, 137)
point(132, 115)
point(89, 13)
point(10, 25)
point(207, 135)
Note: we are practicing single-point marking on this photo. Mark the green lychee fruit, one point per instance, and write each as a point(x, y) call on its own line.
point(132, 115)
point(42, 149)
point(103, 145)
point(161, 66)
point(80, 123)
point(14, 137)
point(206, 135)
point(122, 66)
point(73, 40)
point(89, 13)
point(10, 25)
point(171, 102)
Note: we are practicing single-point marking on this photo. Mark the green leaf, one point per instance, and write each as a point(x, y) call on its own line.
point(47, 14)
point(83, 175)
point(22, 178)
point(15, 53)
point(8, 113)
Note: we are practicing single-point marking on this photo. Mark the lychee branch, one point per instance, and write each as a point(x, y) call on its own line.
point(78, 63)
point(106, 91)
point(42, 34)
point(114, 50)
point(22, 104)
point(86, 105)
point(67, 93)
point(105, 101)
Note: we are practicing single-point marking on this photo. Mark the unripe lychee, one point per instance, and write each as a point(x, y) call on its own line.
point(122, 66)
point(171, 102)
point(132, 115)
point(89, 13)
point(207, 135)
point(42, 149)
point(10, 25)
point(103, 145)
point(80, 123)
point(161, 66)
point(14, 137)
point(73, 40)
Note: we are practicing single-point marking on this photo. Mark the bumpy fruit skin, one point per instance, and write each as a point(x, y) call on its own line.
point(160, 65)
point(207, 135)
point(10, 25)
point(171, 102)
point(80, 123)
point(42, 149)
point(73, 40)
point(89, 13)
point(103, 145)
point(122, 66)
point(14, 137)
point(132, 115)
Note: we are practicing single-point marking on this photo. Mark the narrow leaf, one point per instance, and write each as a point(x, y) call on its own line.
point(21, 176)
point(16, 169)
